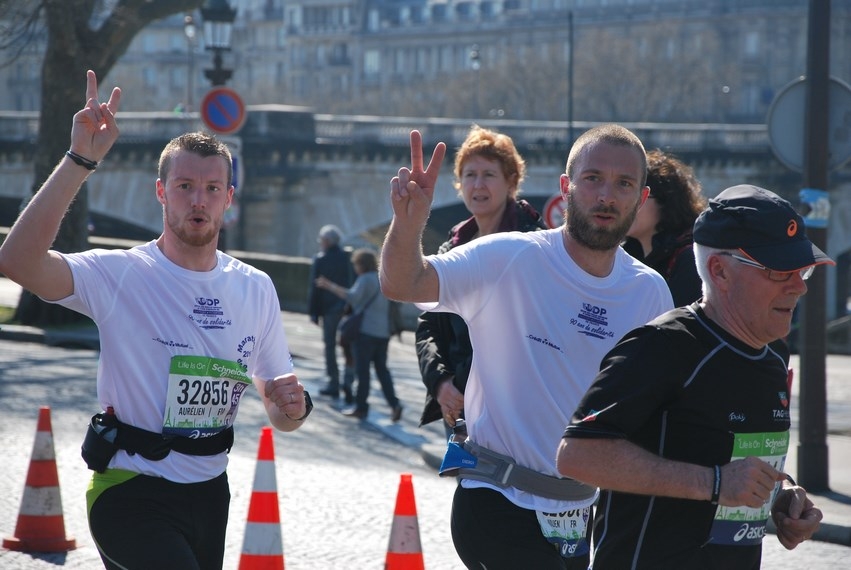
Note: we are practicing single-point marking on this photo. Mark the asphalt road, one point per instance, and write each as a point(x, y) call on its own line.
point(337, 478)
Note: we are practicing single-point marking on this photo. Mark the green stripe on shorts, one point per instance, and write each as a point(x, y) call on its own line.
point(102, 481)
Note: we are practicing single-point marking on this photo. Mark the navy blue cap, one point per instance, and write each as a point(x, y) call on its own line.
point(762, 225)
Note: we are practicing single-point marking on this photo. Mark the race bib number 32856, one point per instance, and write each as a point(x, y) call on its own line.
point(203, 395)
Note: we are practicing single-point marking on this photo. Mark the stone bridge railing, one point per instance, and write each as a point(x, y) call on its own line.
point(303, 170)
point(394, 131)
point(277, 122)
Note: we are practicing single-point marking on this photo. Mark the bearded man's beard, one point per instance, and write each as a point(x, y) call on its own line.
point(580, 227)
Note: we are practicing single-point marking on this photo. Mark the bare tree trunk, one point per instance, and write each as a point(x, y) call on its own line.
point(72, 48)
point(63, 88)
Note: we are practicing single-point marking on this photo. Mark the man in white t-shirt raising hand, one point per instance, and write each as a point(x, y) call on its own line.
point(184, 330)
point(542, 308)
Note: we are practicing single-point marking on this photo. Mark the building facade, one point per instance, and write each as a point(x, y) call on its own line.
point(594, 60)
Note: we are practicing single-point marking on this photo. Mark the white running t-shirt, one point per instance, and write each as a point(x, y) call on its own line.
point(539, 327)
point(155, 317)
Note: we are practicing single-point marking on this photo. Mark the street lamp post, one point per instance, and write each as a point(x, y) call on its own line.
point(190, 31)
point(570, 78)
point(218, 19)
point(475, 64)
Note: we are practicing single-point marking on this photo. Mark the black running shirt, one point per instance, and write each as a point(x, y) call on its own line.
point(683, 388)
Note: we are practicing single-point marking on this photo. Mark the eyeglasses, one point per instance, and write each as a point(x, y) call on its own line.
point(772, 274)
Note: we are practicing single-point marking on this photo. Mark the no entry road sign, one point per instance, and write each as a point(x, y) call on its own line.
point(223, 110)
point(554, 211)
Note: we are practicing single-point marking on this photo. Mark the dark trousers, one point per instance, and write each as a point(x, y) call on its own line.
point(150, 522)
point(489, 531)
point(372, 350)
point(330, 322)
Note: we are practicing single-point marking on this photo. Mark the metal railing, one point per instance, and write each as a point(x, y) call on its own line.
point(394, 131)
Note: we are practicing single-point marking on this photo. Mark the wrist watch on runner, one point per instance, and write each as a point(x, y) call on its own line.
point(308, 407)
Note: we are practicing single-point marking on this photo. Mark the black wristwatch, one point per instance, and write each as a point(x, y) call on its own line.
point(308, 407)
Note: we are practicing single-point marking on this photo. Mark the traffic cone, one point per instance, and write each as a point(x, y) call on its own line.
point(262, 546)
point(41, 525)
point(404, 551)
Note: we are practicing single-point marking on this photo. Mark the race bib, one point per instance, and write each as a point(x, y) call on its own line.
point(203, 395)
point(566, 531)
point(745, 526)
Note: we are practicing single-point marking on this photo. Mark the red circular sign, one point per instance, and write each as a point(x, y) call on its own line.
point(554, 211)
point(223, 110)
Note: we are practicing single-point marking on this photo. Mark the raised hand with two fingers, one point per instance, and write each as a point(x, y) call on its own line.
point(94, 129)
point(412, 189)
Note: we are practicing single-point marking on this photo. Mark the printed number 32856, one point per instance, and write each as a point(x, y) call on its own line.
point(203, 392)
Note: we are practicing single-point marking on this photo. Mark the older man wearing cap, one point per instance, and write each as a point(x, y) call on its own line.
point(686, 427)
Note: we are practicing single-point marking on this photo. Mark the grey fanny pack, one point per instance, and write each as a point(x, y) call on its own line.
point(469, 460)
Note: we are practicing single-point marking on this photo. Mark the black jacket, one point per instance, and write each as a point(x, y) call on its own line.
point(335, 265)
point(442, 339)
point(672, 257)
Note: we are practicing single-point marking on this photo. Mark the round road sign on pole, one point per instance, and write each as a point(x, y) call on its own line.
point(223, 110)
point(554, 211)
point(786, 124)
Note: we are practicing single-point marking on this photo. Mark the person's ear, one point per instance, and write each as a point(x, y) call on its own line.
point(564, 186)
point(230, 197)
point(161, 192)
point(719, 272)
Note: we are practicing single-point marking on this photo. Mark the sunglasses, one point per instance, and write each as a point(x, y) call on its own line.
point(772, 274)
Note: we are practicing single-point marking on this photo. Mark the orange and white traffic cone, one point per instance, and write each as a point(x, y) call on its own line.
point(262, 546)
point(41, 524)
point(404, 551)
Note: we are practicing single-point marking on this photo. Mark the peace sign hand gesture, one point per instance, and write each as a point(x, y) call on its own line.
point(94, 131)
point(412, 190)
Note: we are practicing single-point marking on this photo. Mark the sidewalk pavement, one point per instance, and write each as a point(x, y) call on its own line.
point(306, 347)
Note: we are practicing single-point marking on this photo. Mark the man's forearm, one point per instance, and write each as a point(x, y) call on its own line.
point(403, 266)
point(620, 465)
point(35, 230)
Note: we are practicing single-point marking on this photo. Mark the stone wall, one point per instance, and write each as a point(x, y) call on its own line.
point(289, 274)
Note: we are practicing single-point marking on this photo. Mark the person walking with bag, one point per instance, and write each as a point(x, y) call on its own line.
point(371, 343)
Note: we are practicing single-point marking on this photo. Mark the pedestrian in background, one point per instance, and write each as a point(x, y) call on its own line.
point(686, 427)
point(371, 345)
point(661, 235)
point(332, 263)
point(170, 385)
point(488, 175)
point(542, 309)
